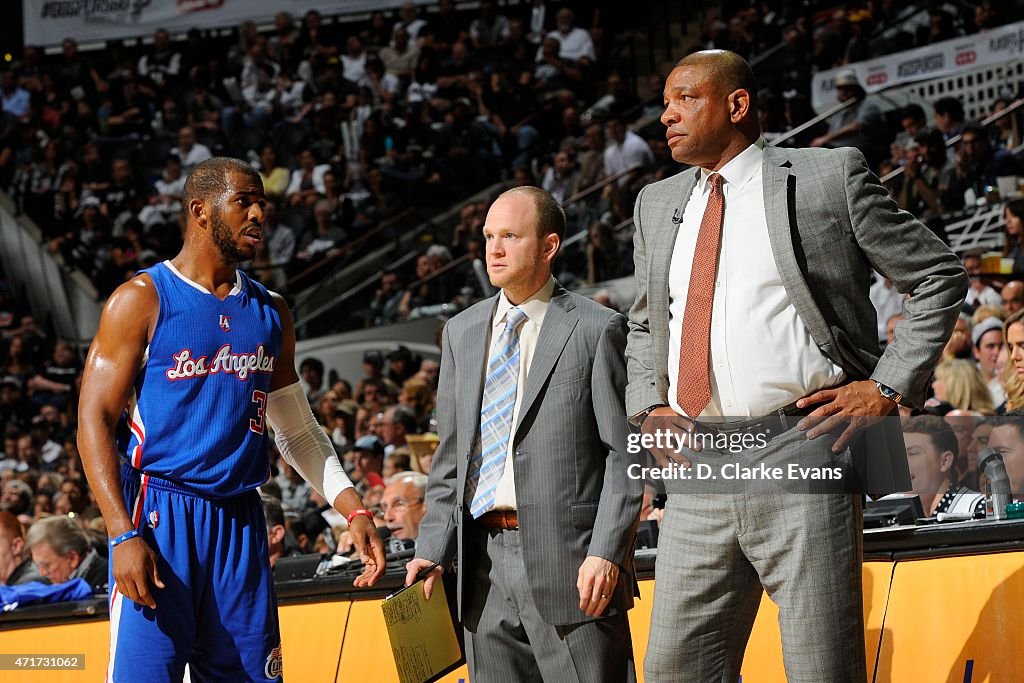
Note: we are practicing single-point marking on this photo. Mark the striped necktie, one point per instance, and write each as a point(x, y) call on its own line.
point(498, 403)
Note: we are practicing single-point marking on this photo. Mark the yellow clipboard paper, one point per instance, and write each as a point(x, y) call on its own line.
point(422, 634)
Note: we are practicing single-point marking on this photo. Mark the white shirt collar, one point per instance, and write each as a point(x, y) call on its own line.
point(739, 169)
point(534, 307)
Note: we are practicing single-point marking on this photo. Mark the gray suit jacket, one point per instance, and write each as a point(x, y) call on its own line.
point(830, 222)
point(573, 496)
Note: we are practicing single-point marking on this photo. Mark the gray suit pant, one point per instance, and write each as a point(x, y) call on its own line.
point(510, 641)
point(717, 551)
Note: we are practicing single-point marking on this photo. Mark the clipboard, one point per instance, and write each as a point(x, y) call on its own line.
point(422, 634)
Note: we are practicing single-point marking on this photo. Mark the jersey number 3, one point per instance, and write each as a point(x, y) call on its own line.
point(260, 399)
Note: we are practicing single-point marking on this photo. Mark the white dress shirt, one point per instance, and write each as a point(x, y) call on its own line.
point(633, 152)
point(985, 296)
point(574, 45)
point(535, 307)
point(196, 154)
point(762, 356)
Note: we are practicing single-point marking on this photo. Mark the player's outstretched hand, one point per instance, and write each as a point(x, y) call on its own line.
point(134, 569)
point(371, 550)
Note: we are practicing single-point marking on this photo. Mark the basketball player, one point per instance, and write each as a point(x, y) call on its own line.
point(199, 360)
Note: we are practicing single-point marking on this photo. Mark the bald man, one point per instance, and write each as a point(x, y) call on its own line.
point(1012, 296)
point(752, 319)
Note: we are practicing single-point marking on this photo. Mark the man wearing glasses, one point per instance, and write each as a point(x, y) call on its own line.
point(402, 504)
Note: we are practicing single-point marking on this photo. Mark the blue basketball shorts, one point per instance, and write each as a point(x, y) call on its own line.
point(218, 612)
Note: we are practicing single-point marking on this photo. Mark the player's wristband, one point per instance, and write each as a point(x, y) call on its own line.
point(124, 537)
point(355, 513)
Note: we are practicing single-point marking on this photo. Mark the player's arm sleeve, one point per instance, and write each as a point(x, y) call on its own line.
point(303, 443)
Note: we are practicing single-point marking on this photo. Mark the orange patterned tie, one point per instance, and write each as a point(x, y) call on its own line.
point(693, 389)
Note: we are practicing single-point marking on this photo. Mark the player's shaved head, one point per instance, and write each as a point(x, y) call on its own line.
point(730, 71)
point(210, 178)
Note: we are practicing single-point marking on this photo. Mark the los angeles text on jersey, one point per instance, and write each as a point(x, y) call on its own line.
point(237, 364)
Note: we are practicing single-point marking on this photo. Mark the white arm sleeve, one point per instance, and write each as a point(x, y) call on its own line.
point(303, 443)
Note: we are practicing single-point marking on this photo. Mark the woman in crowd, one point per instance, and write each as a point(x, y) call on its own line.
point(1013, 246)
point(419, 396)
point(275, 177)
point(17, 363)
point(959, 383)
point(1013, 369)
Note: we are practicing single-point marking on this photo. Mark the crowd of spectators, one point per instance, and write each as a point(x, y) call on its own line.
point(349, 123)
point(789, 41)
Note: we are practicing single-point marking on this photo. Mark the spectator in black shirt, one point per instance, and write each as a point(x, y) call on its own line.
point(162, 66)
point(949, 116)
point(490, 29)
point(14, 410)
point(93, 174)
point(384, 307)
point(88, 238)
point(75, 75)
point(977, 167)
point(378, 34)
point(57, 378)
point(316, 43)
point(203, 108)
point(552, 72)
point(448, 26)
point(282, 44)
point(509, 111)
point(453, 80)
point(517, 52)
point(129, 112)
point(124, 194)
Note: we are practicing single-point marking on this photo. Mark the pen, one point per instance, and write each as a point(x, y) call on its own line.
point(419, 577)
point(426, 572)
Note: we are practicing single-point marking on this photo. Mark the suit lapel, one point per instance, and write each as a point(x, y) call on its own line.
point(668, 245)
point(777, 176)
point(478, 341)
point(560, 320)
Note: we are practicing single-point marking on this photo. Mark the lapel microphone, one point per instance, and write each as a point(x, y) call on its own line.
point(677, 217)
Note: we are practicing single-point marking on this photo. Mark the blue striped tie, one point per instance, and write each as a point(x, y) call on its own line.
point(499, 400)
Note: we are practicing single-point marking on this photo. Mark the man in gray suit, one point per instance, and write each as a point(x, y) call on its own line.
point(528, 487)
point(752, 318)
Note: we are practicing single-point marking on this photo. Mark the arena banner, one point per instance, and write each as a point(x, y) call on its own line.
point(990, 48)
point(48, 22)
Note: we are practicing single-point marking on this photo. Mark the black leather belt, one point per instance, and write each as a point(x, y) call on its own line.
point(771, 425)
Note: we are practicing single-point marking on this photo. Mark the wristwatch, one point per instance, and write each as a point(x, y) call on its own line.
point(638, 419)
point(889, 393)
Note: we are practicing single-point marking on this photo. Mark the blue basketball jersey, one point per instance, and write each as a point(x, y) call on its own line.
point(196, 416)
